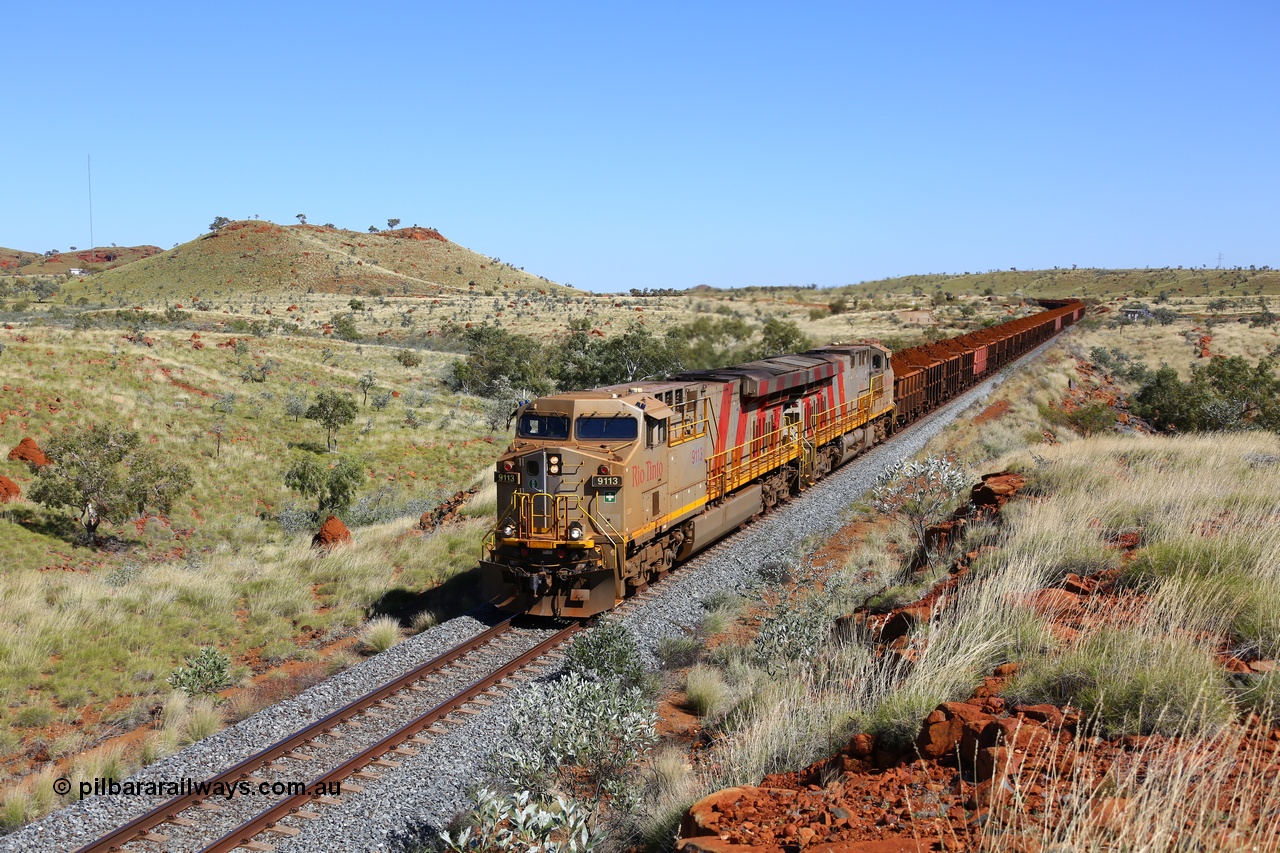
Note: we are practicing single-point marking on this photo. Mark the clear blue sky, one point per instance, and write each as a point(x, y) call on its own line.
point(666, 145)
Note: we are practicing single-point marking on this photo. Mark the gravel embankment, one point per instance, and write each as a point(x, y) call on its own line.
point(412, 803)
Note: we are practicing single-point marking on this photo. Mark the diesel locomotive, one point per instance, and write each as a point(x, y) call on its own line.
point(603, 491)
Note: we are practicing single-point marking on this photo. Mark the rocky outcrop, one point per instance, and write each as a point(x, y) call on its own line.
point(9, 490)
point(445, 512)
point(331, 534)
point(28, 451)
point(996, 489)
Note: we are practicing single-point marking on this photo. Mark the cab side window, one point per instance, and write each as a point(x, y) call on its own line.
point(655, 431)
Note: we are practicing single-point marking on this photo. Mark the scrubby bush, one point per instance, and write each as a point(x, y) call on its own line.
point(678, 652)
point(606, 651)
point(600, 726)
point(920, 493)
point(1129, 682)
point(705, 691)
point(520, 822)
point(408, 358)
point(208, 671)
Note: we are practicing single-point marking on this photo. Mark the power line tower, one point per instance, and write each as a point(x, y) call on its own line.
point(93, 255)
point(1219, 266)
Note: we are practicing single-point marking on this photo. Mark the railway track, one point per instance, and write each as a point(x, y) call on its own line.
point(182, 822)
point(199, 822)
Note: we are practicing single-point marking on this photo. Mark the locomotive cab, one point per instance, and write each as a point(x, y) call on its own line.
point(559, 541)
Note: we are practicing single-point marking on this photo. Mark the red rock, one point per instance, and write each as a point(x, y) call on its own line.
point(1049, 714)
point(943, 729)
point(996, 488)
point(901, 623)
point(1048, 602)
point(1108, 812)
point(703, 816)
point(716, 844)
point(28, 451)
point(862, 746)
point(331, 533)
point(1261, 666)
point(1078, 585)
point(9, 490)
point(1005, 670)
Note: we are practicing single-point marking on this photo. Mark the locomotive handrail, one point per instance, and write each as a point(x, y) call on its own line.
point(526, 502)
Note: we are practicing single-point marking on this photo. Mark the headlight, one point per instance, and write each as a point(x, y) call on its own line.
point(508, 530)
point(575, 532)
point(553, 464)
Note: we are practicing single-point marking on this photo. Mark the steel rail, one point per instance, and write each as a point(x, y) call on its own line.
point(244, 834)
point(142, 825)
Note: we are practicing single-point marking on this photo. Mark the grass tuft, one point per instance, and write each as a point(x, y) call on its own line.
point(380, 634)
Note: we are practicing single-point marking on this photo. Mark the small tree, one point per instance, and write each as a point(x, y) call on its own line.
point(392, 223)
point(919, 493)
point(344, 326)
point(295, 405)
point(106, 474)
point(219, 427)
point(43, 289)
point(302, 218)
point(365, 383)
point(217, 224)
point(333, 487)
point(332, 410)
point(408, 358)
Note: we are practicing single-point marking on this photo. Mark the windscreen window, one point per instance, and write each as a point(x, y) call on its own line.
point(554, 427)
point(618, 428)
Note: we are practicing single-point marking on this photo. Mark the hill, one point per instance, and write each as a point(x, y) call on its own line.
point(263, 258)
point(19, 262)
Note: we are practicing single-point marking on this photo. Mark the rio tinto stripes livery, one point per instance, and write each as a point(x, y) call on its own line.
point(604, 490)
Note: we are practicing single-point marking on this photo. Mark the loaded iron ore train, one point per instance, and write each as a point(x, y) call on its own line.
point(603, 491)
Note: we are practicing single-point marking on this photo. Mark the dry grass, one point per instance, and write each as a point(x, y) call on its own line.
point(380, 634)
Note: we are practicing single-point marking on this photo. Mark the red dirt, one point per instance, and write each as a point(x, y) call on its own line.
point(9, 490)
point(28, 451)
point(331, 534)
point(992, 412)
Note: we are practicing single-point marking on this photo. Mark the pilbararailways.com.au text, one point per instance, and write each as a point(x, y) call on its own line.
point(204, 788)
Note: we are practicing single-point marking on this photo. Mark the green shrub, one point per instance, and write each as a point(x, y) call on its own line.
point(208, 671)
point(678, 652)
point(1091, 420)
point(606, 651)
point(600, 726)
point(521, 822)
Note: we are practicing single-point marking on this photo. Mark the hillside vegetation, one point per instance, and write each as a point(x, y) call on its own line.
point(252, 257)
